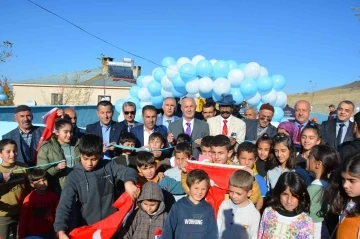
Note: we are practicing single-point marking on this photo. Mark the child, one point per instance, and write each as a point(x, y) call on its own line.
point(310, 136)
point(150, 215)
point(289, 129)
point(38, 210)
point(205, 145)
point(322, 161)
point(246, 155)
point(14, 191)
point(127, 157)
point(237, 215)
point(182, 153)
point(92, 183)
point(343, 197)
point(286, 217)
point(156, 143)
point(182, 138)
point(284, 161)
point(192, 217)
point(146, 166)
point(263, 146)
point(60, 147)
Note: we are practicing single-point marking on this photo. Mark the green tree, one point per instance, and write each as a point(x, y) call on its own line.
point(5, 55)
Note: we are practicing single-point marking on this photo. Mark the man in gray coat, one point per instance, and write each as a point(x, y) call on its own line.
point(195, 128)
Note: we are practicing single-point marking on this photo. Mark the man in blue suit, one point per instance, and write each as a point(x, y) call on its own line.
point(26, 135)
point(169, 106)
point(143, 131)
point(106, 128)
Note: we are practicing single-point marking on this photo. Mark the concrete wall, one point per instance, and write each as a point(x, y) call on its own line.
point(42, 94)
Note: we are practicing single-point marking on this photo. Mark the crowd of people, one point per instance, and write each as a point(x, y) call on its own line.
point(297, 180)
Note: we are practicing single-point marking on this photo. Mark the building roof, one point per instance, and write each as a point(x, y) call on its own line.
point(117, 77)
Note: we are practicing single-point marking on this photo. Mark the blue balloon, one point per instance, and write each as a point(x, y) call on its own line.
point(216, 97)
point(259, 105)
point(204, 68)
point(167, 61)
point(237, 96)
point(136, 101)
point(265, 84)
point(138, 116)
point(134, 90)
point(233, 64)
point(139, 81)
point(221, 69)
point(242, 66)
point(118, 105)
point(278, 114)
point(279, 82)
point(178, 82)
point(154, 88)
point(157, 101)
point(248, 87)
point(206, 95)
point(159, 74)
point(177, 93)
point(187, 72)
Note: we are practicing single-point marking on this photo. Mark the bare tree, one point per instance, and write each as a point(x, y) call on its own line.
point(357, 12)
point(6, 51)
point(71, 91)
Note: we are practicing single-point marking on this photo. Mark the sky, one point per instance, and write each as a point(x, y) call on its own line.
point(304, 41)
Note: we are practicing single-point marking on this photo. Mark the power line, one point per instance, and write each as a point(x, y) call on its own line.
point(103, 40)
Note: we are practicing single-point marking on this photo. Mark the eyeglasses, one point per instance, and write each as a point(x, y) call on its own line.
point(263, 117)
point(129, 112)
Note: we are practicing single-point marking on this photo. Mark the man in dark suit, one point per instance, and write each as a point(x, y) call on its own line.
point(337, 131)
point(255, 128)
point(26, 135)
point(143, 131)
point(106, 128)
point(129, 112)
point(351, 148)
point(169, 107)
point(195, 128)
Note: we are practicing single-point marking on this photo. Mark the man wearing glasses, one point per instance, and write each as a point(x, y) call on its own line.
point(70, 114)
point(255, 128)
point(129, 111)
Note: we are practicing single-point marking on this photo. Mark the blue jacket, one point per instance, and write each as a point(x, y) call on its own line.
point(171, 185)
point(26, 154)
point(189, 221)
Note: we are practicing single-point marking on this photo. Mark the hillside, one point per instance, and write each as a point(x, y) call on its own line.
point(320, 100)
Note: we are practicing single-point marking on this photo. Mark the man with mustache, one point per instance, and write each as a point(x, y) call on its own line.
point(226, 123)
point(255, 128)
point(26, 135)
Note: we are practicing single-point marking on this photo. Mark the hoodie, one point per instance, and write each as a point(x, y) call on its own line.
point(144, 225)
point(94, 190)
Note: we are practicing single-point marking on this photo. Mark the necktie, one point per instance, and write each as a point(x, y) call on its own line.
point(168, 121)
point(188, 129)
point(339, 135)
point(225, 128)
point(129, 127)
point(298, 138)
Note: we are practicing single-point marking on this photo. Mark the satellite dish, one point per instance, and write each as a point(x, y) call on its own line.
point(31, 102)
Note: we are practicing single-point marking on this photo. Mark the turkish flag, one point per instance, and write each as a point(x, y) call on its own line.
point(219, 178)
point(107, 227)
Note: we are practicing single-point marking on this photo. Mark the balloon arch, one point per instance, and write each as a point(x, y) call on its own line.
point(200, 77)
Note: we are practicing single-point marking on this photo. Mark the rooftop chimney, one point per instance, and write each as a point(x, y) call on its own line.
point(104, 62)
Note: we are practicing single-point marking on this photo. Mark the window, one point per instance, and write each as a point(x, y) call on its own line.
point(56, 99)
point(104, 97)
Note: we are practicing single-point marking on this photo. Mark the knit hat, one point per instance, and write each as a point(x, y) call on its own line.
point(267, 106)
point(290, 128)
point(22, 108)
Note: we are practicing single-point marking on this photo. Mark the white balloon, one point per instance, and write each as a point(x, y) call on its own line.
point(252, 70)
point(181, 61)
point(172, 71)
point(144, 95)
point(197, 95)
point(191, 96)
point(166, 83)
point(206, 85)
point(196, 59)
point(192, 87)
point(146, 80)
point(143, 103)
point(269, 97)
point(213, 61)
point(281, 99)
point(166, 94)
point(222, 86)
point(235, 77)
point(263, 71)
point(121, 117)
point(255, 100)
